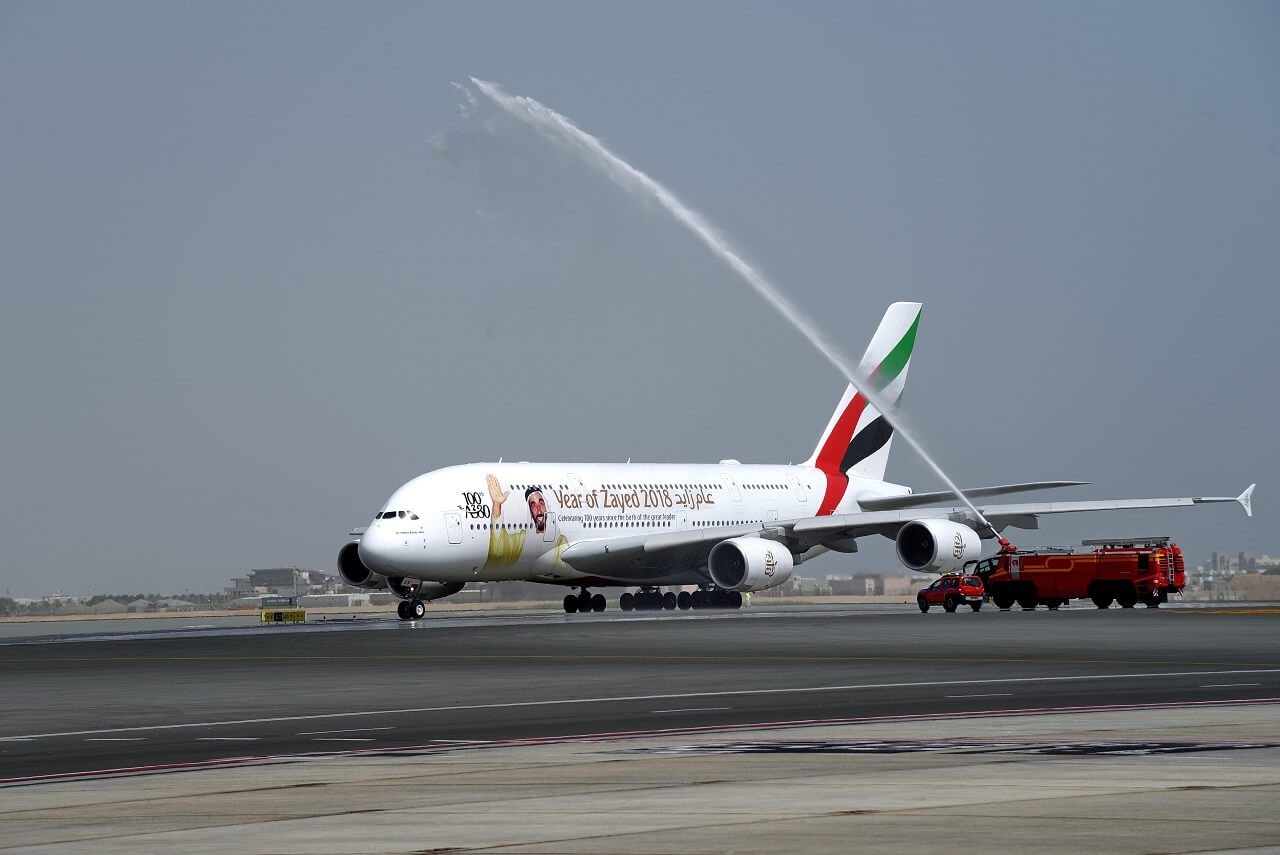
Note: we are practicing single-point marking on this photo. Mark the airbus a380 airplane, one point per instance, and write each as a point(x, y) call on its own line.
point(727, 528)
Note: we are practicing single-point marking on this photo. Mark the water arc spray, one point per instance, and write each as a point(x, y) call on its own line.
point(561, 132)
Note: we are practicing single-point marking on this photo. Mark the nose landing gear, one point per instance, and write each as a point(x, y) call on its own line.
point(414, 609)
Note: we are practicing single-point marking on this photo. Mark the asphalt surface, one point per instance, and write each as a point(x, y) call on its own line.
point(73, 704)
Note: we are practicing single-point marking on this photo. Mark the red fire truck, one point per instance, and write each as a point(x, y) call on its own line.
point(1124, 570)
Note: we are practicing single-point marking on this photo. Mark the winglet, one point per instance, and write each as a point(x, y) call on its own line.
point(1246, 500)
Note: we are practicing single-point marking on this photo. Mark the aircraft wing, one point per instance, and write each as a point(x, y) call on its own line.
point(669, 557)
point(919, 500)
point(1024, 515)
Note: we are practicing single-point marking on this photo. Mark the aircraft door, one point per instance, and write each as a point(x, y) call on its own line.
point(549, 533)
point(798, 488)
point(453, 527)
point(681, 522)
point(732, 486)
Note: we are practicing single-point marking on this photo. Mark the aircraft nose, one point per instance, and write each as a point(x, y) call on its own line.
point(377, 550)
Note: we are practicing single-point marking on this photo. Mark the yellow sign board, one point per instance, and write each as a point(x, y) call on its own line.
point(280, 616)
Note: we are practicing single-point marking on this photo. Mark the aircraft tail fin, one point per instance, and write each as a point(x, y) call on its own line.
point(857, 439)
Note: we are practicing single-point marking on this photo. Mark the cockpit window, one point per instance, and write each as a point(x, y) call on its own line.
point(412, 515)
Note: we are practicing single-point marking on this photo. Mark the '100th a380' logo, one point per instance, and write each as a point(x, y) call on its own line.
point(473, 506)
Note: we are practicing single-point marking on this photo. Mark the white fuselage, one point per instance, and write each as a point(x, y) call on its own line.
point(443, 526)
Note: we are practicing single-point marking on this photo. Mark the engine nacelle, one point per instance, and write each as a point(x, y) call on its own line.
point(406, 589)
point(747, 564)
point(937, 546)
point(353, 571)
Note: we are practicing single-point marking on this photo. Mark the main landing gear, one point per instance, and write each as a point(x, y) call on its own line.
point(651, 599)
point(583, 602)
point(413, 609)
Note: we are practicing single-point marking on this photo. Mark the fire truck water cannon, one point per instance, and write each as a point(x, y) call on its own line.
point(937, 546)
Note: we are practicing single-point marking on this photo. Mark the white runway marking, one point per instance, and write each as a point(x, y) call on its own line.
point(696, 709)
point(227, 739)
point(348, 730)
point(1227, 685)
point(988, 695)
point(115, 739)
point(998, 681)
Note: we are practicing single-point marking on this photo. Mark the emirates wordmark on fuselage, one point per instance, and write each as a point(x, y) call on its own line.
point(721, 529)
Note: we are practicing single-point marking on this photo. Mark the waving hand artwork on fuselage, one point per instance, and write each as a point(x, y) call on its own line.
point(728, 528)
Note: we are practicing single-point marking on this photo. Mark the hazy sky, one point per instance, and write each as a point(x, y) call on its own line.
point(246, 297)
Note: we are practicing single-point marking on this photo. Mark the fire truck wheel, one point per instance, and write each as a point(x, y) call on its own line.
point(922, 603)
point(1052, 605)
point(1151, 601)
point(1127, 599)
point(1102, 601)
point(1003, 601)
point(1028, 601)
point(977, 607)
point(950, 603)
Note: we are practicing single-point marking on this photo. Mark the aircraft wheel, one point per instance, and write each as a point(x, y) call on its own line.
point(669, 601)
point(698, 599)
point(584, 602)
point(735, 599)
point(402, 609)
point(570, 604)
point(684, 602)
point(597, 603)
point(627, 602)
point(417, 609)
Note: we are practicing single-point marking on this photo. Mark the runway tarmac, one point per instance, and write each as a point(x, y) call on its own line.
point(99, 704)
point(451, 686)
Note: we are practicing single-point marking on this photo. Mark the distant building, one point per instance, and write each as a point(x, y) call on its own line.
point(283, 581)
point(109, 607)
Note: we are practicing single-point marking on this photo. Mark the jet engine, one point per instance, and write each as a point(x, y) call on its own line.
point(403, 588)
point(355, 574)
point(937, 546)
point(749, 564)
point(353, 571)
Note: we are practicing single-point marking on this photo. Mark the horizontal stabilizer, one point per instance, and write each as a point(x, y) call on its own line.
point(920, 500)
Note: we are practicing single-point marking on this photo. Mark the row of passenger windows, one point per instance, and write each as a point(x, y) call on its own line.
point(623, 524)
point(691, 486)
point(661, 486)
point(390, 515)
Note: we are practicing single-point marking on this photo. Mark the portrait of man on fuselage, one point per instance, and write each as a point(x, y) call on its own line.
point(506, 543)
point(537, 508)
